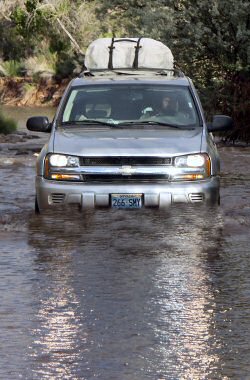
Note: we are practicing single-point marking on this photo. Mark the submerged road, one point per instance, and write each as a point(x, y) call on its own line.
point(125, 295)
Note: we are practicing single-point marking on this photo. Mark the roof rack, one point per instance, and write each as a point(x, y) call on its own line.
point(131, 71)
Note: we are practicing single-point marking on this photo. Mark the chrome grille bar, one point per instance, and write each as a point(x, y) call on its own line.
point(126, 170)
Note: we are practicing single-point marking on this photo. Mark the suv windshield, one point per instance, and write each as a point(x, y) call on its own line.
point(130, 105)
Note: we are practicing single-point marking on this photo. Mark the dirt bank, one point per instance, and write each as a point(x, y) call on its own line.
point(26, 92)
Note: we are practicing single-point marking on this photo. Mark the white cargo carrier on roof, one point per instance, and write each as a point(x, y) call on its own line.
point(132, 53)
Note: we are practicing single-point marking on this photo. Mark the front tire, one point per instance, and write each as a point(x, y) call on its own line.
point(37, 210)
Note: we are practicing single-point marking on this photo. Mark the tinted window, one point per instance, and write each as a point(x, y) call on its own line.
point(121, 103)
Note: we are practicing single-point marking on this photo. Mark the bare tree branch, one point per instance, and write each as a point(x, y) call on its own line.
point(73, 41)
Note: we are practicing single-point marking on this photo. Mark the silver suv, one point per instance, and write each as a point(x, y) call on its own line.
point(128, 139)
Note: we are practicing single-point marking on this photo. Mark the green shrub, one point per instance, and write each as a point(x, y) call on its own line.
point(11, 68)
point(65, 66)
point(41, 65)
point(7, 125)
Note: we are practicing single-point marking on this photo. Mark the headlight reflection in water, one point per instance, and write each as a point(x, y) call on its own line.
point(145, 278)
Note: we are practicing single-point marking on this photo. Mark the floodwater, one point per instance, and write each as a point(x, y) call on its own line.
point(125, 295)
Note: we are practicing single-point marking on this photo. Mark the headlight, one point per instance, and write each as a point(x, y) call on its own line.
point(191, 161)
point(192, 167)
point(57, 167)
point(59, 160)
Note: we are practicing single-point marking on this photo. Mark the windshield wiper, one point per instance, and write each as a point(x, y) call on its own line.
point(90, 121)
point(152, 122)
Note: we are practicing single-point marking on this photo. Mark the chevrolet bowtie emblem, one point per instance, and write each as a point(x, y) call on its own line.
point(127, 170)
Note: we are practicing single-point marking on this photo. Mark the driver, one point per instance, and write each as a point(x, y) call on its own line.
point(167, 106)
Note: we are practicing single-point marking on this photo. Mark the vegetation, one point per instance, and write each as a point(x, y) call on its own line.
point(209, 40)
point(10, 68)
point(7, 125)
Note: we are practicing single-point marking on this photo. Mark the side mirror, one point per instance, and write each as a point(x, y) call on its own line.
point(220, 123)
point(38, 124)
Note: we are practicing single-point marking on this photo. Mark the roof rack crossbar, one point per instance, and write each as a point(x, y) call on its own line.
point(133, 71)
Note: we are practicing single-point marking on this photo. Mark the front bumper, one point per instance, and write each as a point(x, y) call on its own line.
point(93, 195)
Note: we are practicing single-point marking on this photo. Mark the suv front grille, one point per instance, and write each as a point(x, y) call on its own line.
point(118, 161)
point(124, 178)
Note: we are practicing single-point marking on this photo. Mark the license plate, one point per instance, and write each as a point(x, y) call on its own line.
point(126, 200)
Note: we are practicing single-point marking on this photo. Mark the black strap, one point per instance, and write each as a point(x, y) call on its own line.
point(111, 48)
point(137, 49)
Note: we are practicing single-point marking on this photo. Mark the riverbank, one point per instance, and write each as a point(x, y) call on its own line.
point(26, 92)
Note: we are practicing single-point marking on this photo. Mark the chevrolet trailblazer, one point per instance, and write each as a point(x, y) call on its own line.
point(128, 139)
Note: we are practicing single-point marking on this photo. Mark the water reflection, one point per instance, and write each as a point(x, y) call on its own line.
point(21, 114)
point(127, 295)
point(55, 351)
point(55, 339)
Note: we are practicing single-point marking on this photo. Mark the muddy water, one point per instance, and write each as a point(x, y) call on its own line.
point(125, 295)
point(20, 115)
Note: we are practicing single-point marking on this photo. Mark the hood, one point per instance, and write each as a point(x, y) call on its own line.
point(127, 142)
